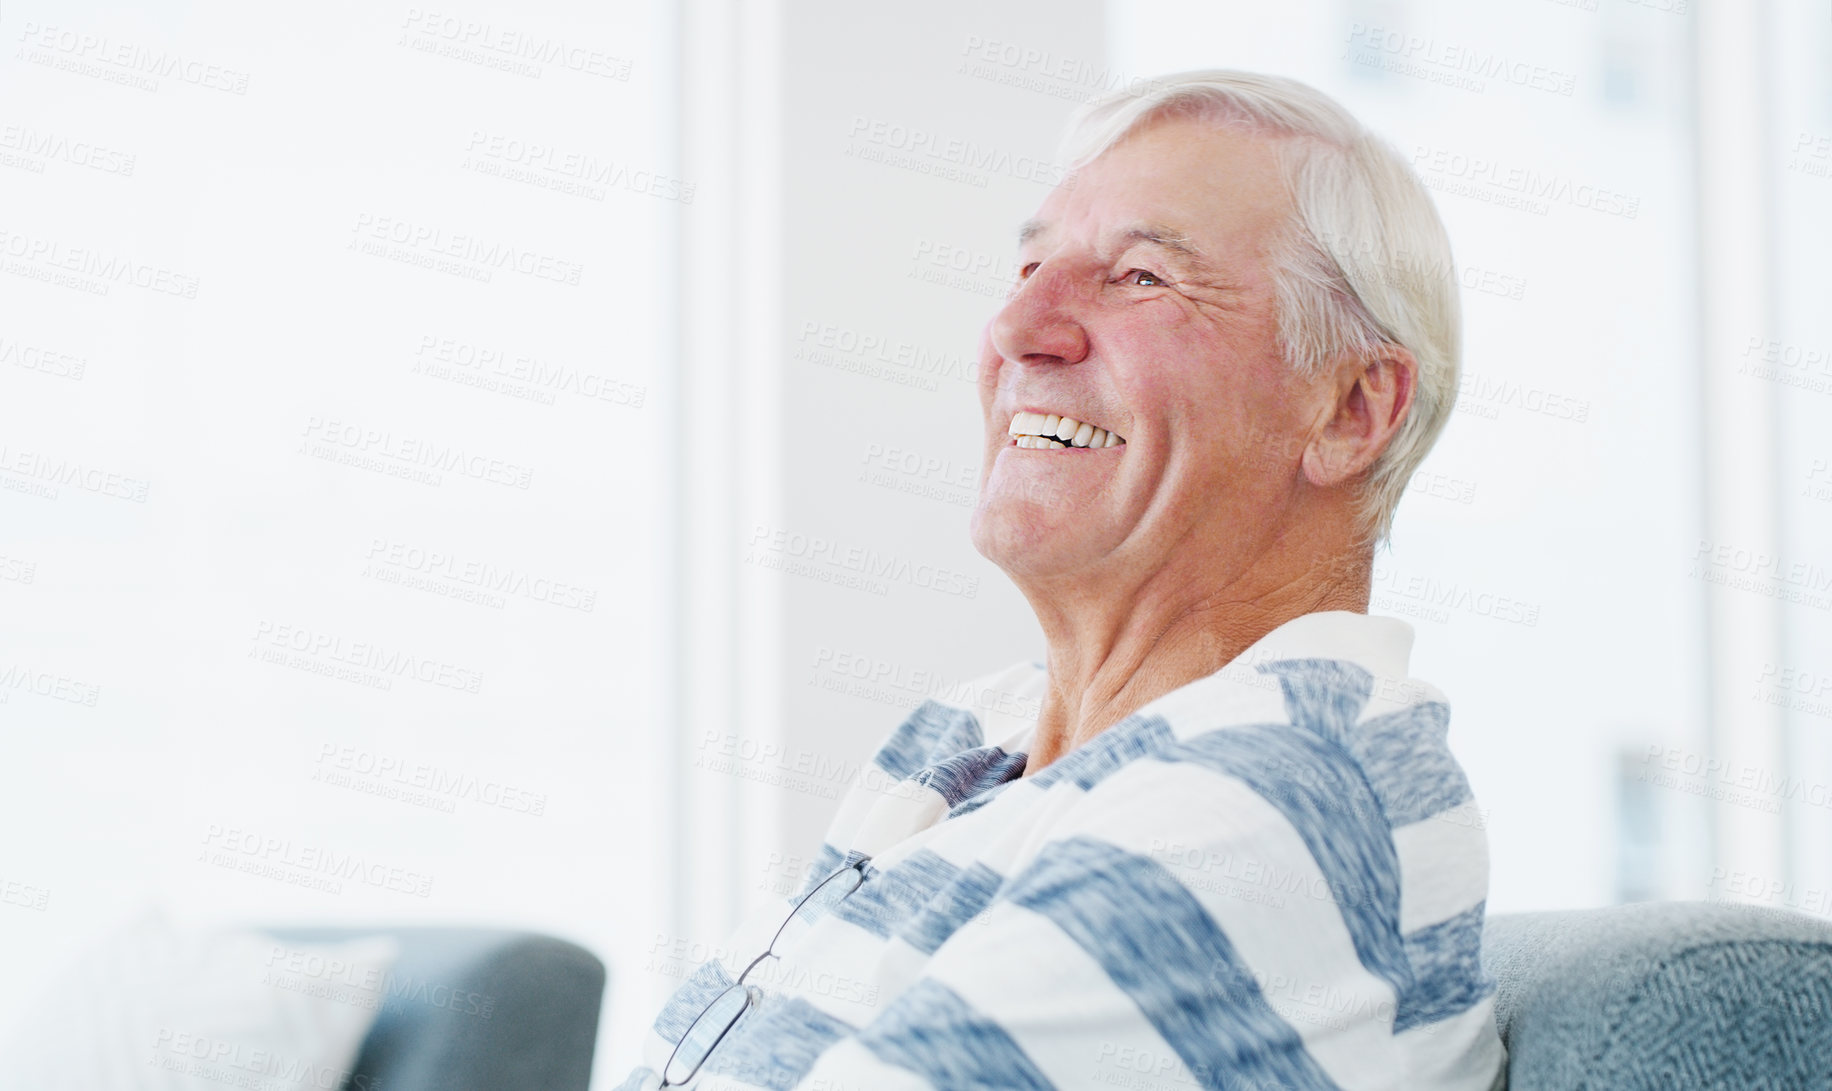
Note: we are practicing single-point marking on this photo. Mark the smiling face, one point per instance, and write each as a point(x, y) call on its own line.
point(1145, 307)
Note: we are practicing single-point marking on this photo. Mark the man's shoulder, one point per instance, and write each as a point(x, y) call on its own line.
point(1393, 732)
point(1321, 736)
point(995, 709)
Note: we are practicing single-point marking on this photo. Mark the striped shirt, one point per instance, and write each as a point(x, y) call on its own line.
point(1271, 877)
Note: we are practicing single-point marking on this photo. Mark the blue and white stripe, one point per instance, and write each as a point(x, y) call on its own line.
point(1270, 878)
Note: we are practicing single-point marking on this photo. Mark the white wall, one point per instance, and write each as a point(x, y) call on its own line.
point(907, 172)
point(1798, 150)
point(268, 427)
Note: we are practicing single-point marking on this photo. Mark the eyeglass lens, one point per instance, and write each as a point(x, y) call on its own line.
point(704, 1034)
point(712, 1024)
point(815, 904)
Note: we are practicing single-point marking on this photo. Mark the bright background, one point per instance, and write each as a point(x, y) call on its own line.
point(722, 266)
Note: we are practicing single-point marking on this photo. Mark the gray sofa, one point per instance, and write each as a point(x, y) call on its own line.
point(474, 1009)
point(1659, 996)
point(1664, 996)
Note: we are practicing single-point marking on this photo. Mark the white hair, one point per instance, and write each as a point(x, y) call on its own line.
point(1364, 261)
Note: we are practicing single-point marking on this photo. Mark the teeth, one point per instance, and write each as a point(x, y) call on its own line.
point(1051, 430)
point(1026, 424)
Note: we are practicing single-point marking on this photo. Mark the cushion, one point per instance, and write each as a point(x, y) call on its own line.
point(158, 1006)
point(1671, 996)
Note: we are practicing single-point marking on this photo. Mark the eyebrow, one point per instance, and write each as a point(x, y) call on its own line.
point(1151, 234)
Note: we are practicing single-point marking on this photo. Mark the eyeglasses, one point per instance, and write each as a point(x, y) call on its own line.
point(721, 1013)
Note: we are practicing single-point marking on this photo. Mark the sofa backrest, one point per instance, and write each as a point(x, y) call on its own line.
point(1674, 996)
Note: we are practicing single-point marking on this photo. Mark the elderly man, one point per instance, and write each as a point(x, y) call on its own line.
point(1232, 850)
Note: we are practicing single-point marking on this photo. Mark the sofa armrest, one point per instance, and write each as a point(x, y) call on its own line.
point(467, 1009)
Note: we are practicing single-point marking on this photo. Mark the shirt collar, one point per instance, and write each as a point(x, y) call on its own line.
point(1007, 706)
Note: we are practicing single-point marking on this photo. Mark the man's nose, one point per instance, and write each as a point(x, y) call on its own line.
point(1038, 325)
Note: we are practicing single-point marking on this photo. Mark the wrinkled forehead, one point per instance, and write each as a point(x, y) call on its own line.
point(1217, 190)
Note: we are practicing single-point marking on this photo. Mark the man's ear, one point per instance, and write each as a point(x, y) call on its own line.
point(1373, 397)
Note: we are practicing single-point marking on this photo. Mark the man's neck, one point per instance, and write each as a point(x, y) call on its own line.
point(1110, 657)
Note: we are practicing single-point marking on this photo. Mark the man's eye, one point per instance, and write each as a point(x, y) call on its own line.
point(1147, 278)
